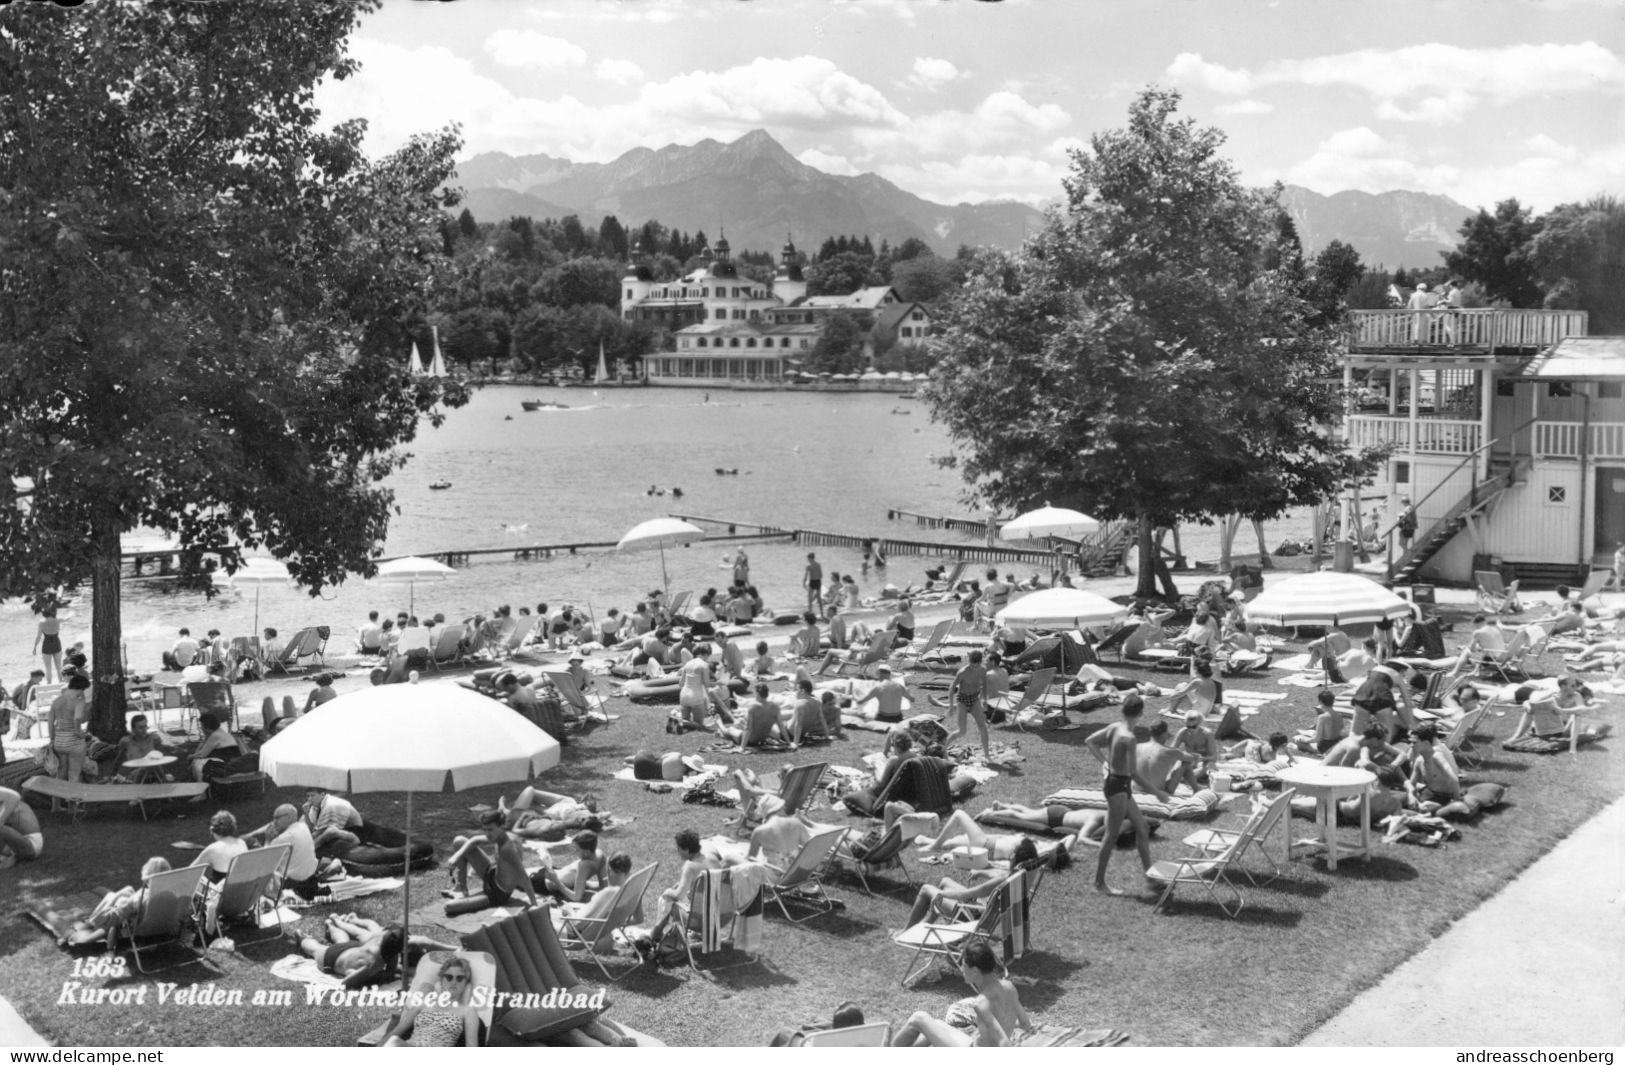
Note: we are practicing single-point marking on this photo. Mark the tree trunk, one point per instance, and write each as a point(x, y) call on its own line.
point(1146, 586)
point(1263, 551)
point(1227, 539)
point(106, 634)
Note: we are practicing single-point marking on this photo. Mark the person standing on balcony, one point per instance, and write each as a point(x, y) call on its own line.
point(1422, 301)
point(1450, 309)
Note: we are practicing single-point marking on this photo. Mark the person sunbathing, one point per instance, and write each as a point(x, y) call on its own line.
point(502, 876)
point(1272, 756)
point(361, 951)
point(1001, 1020)
point(762, 665)
point(1200, 748)
point(1328, 728)
point(453, 1023)
point(778, 839)
point(1329, 646)
point(944, 900)
point(116, 910)
point(887, 696)
point(1201, 692)
point(806, 716)
point(573, 882)
point(616, 872)
point(1159, 765)
point(762, 724)
point(20, 835)
point(548, 816)
point(1435, 786)
point(1548, 715)
point(961, 830)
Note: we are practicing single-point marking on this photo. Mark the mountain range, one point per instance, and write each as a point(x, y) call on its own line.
point(757, 193)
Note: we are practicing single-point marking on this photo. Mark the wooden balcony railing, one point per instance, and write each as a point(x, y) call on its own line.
point(1477, 329)
point(1434, 436)
point(1561, 440)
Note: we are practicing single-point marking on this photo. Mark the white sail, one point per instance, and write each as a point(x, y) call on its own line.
point(415, 367)
point(603, 370)
point(437, 367)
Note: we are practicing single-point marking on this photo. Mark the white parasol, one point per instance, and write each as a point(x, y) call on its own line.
point(257, 573)
point(1062, 608)
point(411, 571)
point(1326, 599)
point(413, 737)
point(1049, 521)
point(660, 533)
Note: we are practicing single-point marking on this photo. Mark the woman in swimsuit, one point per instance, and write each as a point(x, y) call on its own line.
point(442, 1026)
point(48, 645)
point(962, 831)
point(219, 855)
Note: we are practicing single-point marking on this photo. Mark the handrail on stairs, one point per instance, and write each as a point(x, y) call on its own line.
point(1472, 494)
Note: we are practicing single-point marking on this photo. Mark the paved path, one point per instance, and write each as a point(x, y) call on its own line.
point(15, 1032)
point(1541, 963)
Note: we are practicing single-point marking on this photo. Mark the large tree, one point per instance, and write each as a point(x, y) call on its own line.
point(205, 297)
point(1148, 354)
point(1494, 252)
point(1579, 256)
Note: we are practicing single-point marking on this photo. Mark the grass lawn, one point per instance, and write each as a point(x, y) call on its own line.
point(1300, 950)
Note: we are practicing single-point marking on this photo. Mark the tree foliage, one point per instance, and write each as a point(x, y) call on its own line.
point(840, 347)
point(1149, 354)
point(841, 274)
point(1494, 252)
point(204, 298)
point(1579, 257)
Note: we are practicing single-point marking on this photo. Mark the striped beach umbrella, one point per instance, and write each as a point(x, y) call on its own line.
point(1326, 599)
point(1062, 608)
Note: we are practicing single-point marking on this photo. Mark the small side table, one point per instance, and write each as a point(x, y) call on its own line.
point(1328, 784)
point(145, 770)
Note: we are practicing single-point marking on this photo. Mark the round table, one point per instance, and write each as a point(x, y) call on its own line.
point(142, 770)
point(1327, 784)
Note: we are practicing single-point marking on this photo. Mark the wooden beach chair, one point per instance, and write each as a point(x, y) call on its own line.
point(1262, 821)
point(878, 651)
point(1211, 869)
point(515, 638)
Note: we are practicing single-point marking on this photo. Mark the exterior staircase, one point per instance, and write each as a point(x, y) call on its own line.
point(1101, 554)
point(1432, 540)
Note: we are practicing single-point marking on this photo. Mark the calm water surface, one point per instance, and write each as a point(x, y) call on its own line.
point(833, 462)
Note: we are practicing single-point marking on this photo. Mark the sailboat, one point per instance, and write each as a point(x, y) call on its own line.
point(437, 367)
point(603, 370)
point(415, 367)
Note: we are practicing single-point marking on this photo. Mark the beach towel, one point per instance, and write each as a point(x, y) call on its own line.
point(711, 773)
point(748, 879)
point(60, 919)
point(709, 917)
point(354, 887)
point(1183, 808)
point(1014, 933)
point(303, 970)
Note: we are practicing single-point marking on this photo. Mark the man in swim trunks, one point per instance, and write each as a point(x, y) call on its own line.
point(813, 579)
point(20, 834)
point(887, 695)
point(501, 878)
point(1115, 746)
point(1162, 765)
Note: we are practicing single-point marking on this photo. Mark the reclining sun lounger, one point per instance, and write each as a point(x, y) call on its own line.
point(78, 795)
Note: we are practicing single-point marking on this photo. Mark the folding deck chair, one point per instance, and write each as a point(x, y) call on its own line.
point(1003, 921)
point(165, 917)
point(877, 652)
point(1262, 822)
point(887, 851)
point(592, 933)
point(243, 892)
point(1211, 868)
point(1596, 581)
point(1494, 595)
point(803, 879)
point(1458, 741)
point(857, 1035)
point(910, 655)
point(514, 639)
point(1038, 686)
point(1507, 664)
point(447, 648)
point(586, 706)
point(306, 643)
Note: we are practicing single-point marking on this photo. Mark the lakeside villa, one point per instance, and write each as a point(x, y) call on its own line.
point(732, 331)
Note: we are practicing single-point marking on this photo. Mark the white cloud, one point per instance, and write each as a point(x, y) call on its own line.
point(930, 74)
point(1002, 119)
point(804, 91)
point(828, 162)
point(904, 10)
point(538, 51)
point(1431, 83)
point(979, 178)
point(400, 91)
point(1245, 107)
point(620, 71)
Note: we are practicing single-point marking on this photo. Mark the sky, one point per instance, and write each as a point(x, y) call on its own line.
point(968, 101)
